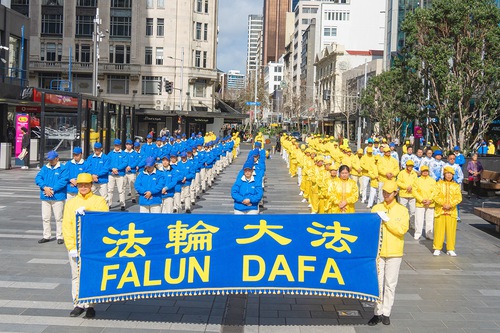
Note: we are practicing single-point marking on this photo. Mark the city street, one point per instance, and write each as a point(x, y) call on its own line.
point(434, 294)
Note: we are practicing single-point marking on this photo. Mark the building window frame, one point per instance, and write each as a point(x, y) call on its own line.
point(118, 84)
point(148, 55)
point(149, 26)
point(151, 85)
point(159, 56)
point(120, 26)
point(160, 27)
point(84, 26)
point(52, 24)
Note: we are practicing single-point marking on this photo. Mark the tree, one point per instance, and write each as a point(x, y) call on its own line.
point(388, 100)
point(454, 47)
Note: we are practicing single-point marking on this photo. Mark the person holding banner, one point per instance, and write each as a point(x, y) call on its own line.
point(85, 200)
point(343, 193)
point(395, 221)
point(247, 192)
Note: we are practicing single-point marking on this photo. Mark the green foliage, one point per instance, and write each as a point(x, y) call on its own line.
point(454, 47)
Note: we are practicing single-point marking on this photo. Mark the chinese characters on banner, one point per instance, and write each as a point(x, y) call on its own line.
point(130, 255)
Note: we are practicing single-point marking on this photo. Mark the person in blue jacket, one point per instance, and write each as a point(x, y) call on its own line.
point(149, 184)
point(460, 158)
point(187, 172)
point(118, 162)
point(247, 192)
point(75, 167)
point(149, 148)
point(178, 185)
point(99, 169)
point(141, 158)
point(168, 191)
point(52, 179)
point(131, 169)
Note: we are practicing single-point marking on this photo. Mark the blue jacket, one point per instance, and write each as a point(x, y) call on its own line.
point(460, 160)
point(153, 183)
point(246, 189)
point(133, 160)
point(74, 169)
point(99, 166)
point(178, 177)
point(170, 177)
point(186, 169)
point(141, 161)
point(55, 177)
point(149, 149)
point(118, 160)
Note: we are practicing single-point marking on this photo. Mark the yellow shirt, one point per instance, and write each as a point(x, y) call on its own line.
point(91, 202)
point(394, 230)
point(343, 190)
point(356, 165)
point(491, 149)
point(405, 180)
point(385, 165)
point(447, 193)
point(424, 188)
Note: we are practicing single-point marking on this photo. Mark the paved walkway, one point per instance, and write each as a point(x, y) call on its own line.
point(434, 294)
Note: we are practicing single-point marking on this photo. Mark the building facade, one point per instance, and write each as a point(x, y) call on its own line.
point(255, 23)
point(274, 31)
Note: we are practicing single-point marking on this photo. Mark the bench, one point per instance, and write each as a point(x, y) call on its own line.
point(491, 215)
point(490, 182)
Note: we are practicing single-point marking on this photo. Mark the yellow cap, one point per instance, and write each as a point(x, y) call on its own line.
point(384, 140)
point(348, 150)
point(386, 149)
point(448, 169)
point(407, 142)
point(369, 149)
point(332, 167)
point(84, 178)
point(390, 186)
point(424, 168)
point(360, 151)
point(302, 146)
point(410, 162)
point(490, 140)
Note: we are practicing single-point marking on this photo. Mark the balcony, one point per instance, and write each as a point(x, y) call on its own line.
point(84, 67)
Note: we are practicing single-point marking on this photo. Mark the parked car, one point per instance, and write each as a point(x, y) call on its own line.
point(296, 135)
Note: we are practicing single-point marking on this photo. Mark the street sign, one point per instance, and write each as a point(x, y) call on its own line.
point(253, 103)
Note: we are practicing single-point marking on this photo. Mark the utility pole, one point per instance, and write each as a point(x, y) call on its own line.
point(255, 98)
point(359, 107)
point(96, 36)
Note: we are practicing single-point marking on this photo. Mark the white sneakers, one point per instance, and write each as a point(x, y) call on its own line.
point(301, 192)
point(304, 200)
point(24, 167)
point(451, 253)
point(436, 253)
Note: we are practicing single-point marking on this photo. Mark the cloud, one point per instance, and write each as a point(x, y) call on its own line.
point(233, 32)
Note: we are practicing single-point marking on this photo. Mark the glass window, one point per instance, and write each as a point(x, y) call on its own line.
point(121, 3)
point(160, 27)
point(151, 85)
point(44, 79)
point(52, 2)
point(51, 51)
point(120, 54)
point(205, 58)
point(205, 31)
point(149, 3)
point(86, 3)
point(160, 4)
point(199, 89)
point(118, 84)
point(197, 34)
point(148, 56)
point(199, 6)
point(82, 83)
point(84, 25)
point(20, 2)
point(159, 55)
point(206, 6)
point(197, 59)
point(52, 24)
point(85, 54)
point(149, 27)
point(121, 26)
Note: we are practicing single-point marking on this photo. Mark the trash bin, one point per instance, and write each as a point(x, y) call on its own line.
point(5, 158)
point(33, 153)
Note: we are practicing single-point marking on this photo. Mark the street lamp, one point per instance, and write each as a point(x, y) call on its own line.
point(96, 37)
point(182, 76)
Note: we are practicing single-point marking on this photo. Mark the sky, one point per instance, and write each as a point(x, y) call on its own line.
point(233, 25)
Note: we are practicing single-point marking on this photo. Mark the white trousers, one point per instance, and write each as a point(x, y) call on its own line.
point(388, 273)
point(299, 176)
point(373, 194)
point(365, 183)
point(120, 185)
point(73, 264)
point(380, 195)
point(410, 204)
point(57, 208)
point(210, 176)
point(130, 181)
point(177, 201)
point(247, 212)
point(186, 197)
point(167, 205)
point(203, 179)
point(150, 209)
point(194, 188)
point(70, 196)
point(100, 189)
point(424, 215)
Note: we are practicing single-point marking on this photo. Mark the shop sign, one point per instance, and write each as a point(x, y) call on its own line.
point(28, 109)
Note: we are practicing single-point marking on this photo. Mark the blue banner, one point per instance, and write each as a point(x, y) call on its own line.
point(130, 255)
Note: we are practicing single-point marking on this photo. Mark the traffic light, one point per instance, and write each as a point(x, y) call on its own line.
point(169, 86)
point(159, 86)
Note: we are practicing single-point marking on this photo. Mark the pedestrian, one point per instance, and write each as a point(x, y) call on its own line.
point(25, 144)
point(474, 169)
point(447, 196)
point(99, 169)
point(168, 190)
point(149, 185)
point(388, 169)
point(52, 179)
point(247, 192)
point(118, 162)
point(460, 158)
point(75, 167)
point(483, 149)
point(187, 172)
point(491, 148)
point(85, 200)
point(424, 212)
point(405, 181)
point(131, 169)
point(343, 193)
point(436, 167)
point(395, 220)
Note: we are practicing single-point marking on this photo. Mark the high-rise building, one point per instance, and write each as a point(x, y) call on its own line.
point(142, 45)
point(235, 80)
point(274, 29)
point(255, 23)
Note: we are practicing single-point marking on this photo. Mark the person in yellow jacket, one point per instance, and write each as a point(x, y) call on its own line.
point(447, 196)
point(316, 185)
point(374, 179)
point(343, 193)
point(388, 169)
point(423, 191)
point(405, 181)
point(405, 146)
point(85, 200)
point(356, 166)
point(395, 220)
point(491, 147)
point(236, 147)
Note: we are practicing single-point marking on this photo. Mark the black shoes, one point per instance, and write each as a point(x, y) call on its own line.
point(375, 320)
point(188, 211)
point(90, 313)
point(385, 320)
point(175, 210)
point(203, 191)
point(122, 208)
point(76, 312)
point(43, 240)
point(134, 201)
point(60, 241)
point(197, 197)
